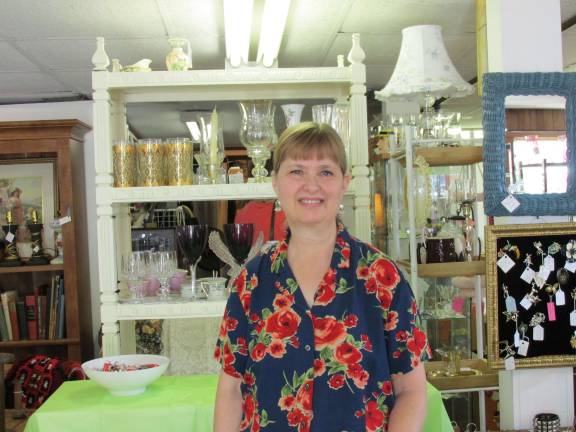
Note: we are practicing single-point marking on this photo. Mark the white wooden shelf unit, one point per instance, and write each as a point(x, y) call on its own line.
point(114, 90)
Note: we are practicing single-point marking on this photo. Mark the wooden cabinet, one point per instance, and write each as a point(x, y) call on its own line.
point(58, 141)
point(114, 90)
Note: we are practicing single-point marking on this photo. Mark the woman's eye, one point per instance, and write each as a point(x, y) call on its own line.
point(296, 171)
point(326, 173)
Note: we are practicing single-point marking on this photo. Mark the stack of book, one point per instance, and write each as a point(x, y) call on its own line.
point(35, 316)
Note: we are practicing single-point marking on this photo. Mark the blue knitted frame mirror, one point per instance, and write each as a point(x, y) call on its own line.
point(496, 86)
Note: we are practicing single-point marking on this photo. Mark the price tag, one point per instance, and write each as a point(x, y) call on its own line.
point(544, 273)
point(538, 333)
point(9, 237)
point(510, 203)
point(549, 263)
point(523, 348)
point(570, 266)
point(551, 311)
point(36, 249)
point(527, 275)
point(509, 363)
point(65, 220)
point(560, 298)
point(511, 304)
point(573, 318)
point(516, 339)
point(526, 303)
point(506, 263)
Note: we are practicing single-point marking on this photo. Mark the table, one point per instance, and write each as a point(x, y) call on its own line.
point(170, 404)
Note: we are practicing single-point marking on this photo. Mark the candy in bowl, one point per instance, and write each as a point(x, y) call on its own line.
point(126, 375)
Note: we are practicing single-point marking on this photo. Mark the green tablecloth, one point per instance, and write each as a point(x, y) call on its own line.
point(171, 404)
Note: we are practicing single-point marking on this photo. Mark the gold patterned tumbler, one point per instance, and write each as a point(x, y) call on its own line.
point(179, 161)
point(150, 162)
point(124, 159)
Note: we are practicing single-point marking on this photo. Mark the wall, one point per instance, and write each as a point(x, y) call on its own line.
point(81, 110)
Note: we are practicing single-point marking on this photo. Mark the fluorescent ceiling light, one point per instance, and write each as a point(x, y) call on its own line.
point(194, 130)
point(271, 30)
point(237, 25)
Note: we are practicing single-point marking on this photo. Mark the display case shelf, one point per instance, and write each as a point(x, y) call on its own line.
point(443, 156)
point(32, 268)
point(39, 342)
point(479, 376)
point(449, 269)
point(215, 192)
point(192, 309)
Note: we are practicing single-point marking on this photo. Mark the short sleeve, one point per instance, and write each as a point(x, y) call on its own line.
point(407, 343)
point(231, 348)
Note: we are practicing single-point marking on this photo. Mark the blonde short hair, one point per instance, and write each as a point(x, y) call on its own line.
point(307, 140)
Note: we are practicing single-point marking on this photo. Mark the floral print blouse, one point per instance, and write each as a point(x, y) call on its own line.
point(328, 367)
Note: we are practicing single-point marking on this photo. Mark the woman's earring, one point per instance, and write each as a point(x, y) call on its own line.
point(340, 209)
point(277, 206)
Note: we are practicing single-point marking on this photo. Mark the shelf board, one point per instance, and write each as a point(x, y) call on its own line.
point(443, 156)
point(39, 342)
point(449, 269)
point(212, 192)
point(192, 309)
point(488, 378)
point(32, 268)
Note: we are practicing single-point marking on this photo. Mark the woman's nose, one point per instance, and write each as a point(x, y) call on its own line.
point(311, 182)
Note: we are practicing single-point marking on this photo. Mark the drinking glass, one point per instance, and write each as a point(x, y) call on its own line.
point(322, 113)
point(239, 240)
point(211, 144)
point(164, 264)
point(191, 240)
point(131, 268)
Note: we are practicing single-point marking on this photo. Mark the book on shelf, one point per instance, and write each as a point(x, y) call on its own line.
point(13, 318)
point(3, 327)
point(31, 316)
point(7, 298)
point(21, 317)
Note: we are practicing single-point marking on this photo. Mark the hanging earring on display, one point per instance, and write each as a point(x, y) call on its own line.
point(277, 206)
point(340, 209)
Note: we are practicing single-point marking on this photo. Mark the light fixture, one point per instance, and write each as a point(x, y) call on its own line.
point(194, 130)
point(237, 27)
point(424, 71)
point(271, 30)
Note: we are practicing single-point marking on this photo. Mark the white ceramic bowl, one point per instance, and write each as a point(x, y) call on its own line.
point(126, 383)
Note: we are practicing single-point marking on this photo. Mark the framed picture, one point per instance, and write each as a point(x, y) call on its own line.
point(28, 185)
point(531, 295)
point(153, 239)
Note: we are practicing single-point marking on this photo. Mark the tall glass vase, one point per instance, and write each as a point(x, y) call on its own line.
point(292, 113)
point(211, 144)
point(257, 134)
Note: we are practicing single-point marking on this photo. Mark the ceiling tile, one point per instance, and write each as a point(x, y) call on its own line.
point(26, 83)
point(12, 61)
point(72, 18)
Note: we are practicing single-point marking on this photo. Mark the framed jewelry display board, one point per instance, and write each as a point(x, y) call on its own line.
point(531, 295)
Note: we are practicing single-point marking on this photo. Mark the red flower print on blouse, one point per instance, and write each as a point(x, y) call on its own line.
point(367, 343)
point(416, 344)
point(358, 375)
point(402, 336)
point(336, 381)
point(328, 332)
point(277, 348)
point(295, 417)
point(327, 289)
point(351, 320)
point(243, 293)
point(258, 352)
point(283, 300)
point(387, 388)
point(391, 320)
point(256, 424)
point(304, 395)
point(385, 297)
point(346, 353)
point(362, 272)
point(248, 408)
point(374, 416)
point(286, 402)
point(385, 273)
point(242, 346)
point(249, 379)
point(319, 367)
point(294, 342)
point(283, 323)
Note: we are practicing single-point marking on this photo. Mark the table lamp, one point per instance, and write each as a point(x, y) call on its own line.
point(424, 72)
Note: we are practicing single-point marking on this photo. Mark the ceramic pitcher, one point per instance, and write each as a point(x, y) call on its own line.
point(178, 59)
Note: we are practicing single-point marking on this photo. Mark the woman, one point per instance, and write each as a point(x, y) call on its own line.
point(320, 332)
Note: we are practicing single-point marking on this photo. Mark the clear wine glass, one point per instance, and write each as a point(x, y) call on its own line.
point(131, 267)
point(164, 263)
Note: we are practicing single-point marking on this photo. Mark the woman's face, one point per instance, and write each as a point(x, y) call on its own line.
point(310, 191)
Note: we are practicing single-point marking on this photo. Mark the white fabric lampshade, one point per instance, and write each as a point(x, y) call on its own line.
point(424, 68)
